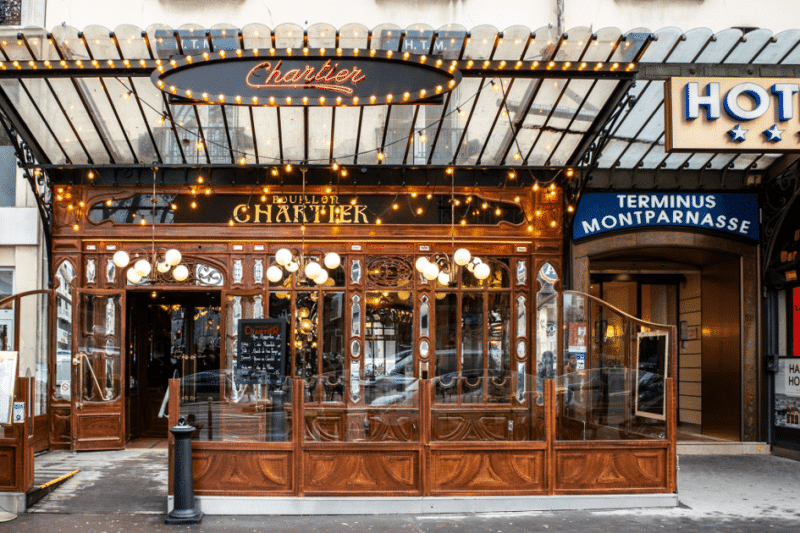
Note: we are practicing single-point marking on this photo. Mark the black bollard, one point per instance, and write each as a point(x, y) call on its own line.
point(183, 512)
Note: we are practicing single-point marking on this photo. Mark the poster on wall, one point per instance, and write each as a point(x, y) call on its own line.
point(8, 379)
point(787, 393)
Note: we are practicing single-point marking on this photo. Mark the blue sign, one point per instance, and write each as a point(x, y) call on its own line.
point(603, 212)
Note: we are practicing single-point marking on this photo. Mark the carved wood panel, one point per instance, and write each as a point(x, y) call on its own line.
point(245, 471)
point(8, 468)
point(369, 472)
point(393, 426)
point(98, 431)
point(477, 425)
point(487, 471)
point(59, 428)
point(611, 470)
point(328, 426)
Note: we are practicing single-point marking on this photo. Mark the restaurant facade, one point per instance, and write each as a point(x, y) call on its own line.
point(407, 262)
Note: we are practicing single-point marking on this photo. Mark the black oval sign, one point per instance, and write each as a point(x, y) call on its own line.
point(297, 77)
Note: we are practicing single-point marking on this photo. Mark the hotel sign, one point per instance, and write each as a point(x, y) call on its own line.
point(599, 213)
point(732, 114)
point(305, 78)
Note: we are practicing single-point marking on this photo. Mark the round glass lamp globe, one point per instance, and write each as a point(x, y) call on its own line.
point(313, 270)
point(283, 256)
point(142, 267)
point(292, 266)
point(431, 272)
point(172, 257)
point(180, 273)
point(163, 267)
point(462, 256)
point(274, 273)
point(322, 277)
point(482, 271)
point(444, 278)
point(132, 276)
point(121, 259)
point(332, 261)
point(421, 263)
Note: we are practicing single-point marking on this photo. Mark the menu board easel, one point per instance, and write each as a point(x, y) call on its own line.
point(261, 354)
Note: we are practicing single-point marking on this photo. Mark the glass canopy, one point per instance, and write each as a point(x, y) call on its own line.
point(85, 98)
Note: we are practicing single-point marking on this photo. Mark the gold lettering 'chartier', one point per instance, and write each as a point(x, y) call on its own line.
point(327, 77)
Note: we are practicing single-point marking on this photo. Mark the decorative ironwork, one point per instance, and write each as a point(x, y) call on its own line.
point(383, 271)
point(208, 276)
point(780, 195)
point(10, 12)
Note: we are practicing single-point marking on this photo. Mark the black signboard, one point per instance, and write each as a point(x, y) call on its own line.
point(261, 358)
point(305, 77)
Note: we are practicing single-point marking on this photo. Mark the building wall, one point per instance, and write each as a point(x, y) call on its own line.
point(563, 14)
point(690, 353)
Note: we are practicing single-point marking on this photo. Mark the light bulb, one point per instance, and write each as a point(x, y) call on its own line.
point(303, 312)
point(482, 271)
point(332, 261)
point(132, 276)
point(121, 259)
point(431, 272)
point(274, 273)
point(292, 266)
point(322, 278)
point(142, 267)
point(421, 263)
point(283, 256)
point(462, 256)
point(306, 325)
point(163, 267)
point(172, 257)
point(180, 273)
point(313, 270)
point(444, 277)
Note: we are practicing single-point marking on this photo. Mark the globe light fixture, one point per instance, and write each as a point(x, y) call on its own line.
point(444, 268)
point(149, 265)
point(306, 265)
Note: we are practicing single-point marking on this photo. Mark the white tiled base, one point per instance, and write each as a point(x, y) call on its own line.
point(12, 502)
point(228, 505)
point(723, 448)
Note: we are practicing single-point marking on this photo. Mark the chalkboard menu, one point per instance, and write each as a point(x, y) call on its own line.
point(261, 357)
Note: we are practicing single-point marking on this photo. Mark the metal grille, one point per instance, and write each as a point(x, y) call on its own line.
point(10, 13)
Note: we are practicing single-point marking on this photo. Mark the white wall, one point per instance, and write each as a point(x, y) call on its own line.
point(624, 14)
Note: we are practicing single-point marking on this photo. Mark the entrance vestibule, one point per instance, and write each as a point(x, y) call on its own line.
point(170, 334)
point(700, 292)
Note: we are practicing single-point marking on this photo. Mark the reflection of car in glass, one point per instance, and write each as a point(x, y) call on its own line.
point(650, 393)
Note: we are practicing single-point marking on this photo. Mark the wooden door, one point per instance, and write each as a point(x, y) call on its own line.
point(98, 402)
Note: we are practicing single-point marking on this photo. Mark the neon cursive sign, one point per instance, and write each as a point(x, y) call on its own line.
point(326, 77)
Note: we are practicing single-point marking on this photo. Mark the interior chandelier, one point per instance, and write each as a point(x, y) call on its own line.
point(160, 261)
point(445, 268)
point(292, 261)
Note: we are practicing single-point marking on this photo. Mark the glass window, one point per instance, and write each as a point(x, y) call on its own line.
point(64, 292)
point(389, 335)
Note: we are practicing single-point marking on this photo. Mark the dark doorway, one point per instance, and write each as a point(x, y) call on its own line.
point(170, 334)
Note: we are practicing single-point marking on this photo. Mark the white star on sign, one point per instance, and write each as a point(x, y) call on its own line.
point(774, 134)
point(737, 133)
